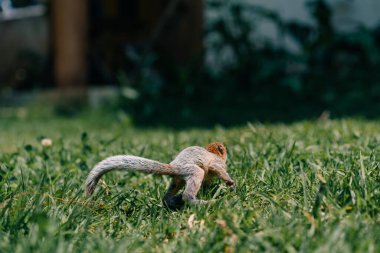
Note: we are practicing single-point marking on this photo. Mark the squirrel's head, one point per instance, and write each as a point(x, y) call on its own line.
point(217, 148)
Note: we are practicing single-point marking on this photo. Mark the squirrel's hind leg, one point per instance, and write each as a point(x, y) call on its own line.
point(171, 200)
point(194, 176)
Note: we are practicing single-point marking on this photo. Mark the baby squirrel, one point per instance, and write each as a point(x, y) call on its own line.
point(190, 168)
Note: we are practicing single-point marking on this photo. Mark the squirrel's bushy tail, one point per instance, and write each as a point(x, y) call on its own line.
point(124, 162)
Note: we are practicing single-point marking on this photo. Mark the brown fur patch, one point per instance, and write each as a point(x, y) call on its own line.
point(217, 148)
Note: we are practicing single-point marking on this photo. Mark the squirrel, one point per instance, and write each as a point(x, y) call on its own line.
point(191, 167)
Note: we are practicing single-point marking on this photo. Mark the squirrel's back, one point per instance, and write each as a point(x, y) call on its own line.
point(193, 155)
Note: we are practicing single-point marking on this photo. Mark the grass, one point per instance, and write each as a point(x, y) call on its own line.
point(302, 187)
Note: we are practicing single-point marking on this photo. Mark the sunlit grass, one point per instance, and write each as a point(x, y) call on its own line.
point(306, 186)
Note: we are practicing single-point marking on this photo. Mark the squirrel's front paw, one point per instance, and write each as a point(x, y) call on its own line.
point(231, 183)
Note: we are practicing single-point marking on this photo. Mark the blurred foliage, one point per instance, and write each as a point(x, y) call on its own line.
point(340, 69)
point(244, 76)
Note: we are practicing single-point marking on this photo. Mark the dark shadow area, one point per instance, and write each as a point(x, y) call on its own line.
point(233, 114)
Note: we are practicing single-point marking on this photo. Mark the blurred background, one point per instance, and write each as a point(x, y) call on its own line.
point(193, 62)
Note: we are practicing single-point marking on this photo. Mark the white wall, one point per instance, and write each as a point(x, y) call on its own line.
point(348, 13)
point(348, 16)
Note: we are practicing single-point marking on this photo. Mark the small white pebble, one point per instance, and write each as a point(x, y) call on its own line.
point(46, 142)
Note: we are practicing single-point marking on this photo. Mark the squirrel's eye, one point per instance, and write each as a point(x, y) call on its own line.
point(220, 149)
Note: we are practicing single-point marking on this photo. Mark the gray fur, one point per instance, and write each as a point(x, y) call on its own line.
point(190, 167)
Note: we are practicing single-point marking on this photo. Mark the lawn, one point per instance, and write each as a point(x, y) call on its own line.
point(303, 187)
